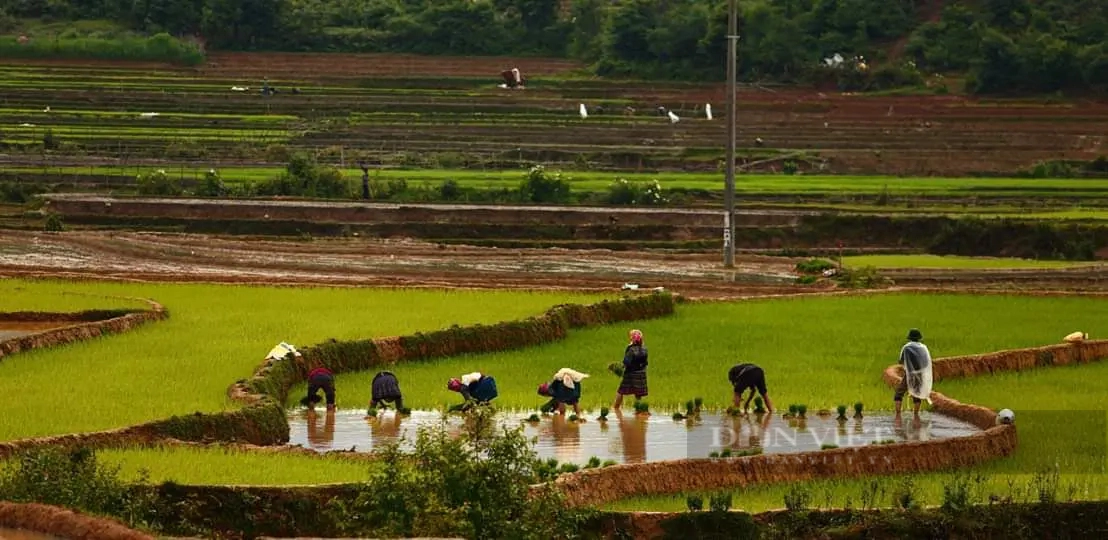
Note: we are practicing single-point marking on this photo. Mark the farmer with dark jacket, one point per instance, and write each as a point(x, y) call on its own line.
point(320, 378)
point(749, 376)
point(634, 370)
point(476, 388)
point(386, 389)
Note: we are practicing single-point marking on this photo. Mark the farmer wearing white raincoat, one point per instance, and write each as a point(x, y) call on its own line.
point(916, 360)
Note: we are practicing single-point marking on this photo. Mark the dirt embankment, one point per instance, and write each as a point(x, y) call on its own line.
point(64, 331)
point(64, 523)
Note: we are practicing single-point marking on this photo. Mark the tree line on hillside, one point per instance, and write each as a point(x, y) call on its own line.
point(1003, 45)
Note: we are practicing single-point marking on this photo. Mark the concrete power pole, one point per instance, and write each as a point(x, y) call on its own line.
point(729, 190)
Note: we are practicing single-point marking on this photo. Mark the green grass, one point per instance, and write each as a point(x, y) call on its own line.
point(751, 184)
point(219, 466)
point(27, 297)
point(215, 335)
point(817, 351)
point(1045, 439)
point(953, 262)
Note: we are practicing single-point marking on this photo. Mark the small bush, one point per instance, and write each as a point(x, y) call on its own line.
point(720, 502)
point(449, 190)
point(53, 223)
point(542, 187)
point(212, 185)
point(814, 266)
point(694, 503)
point(159, 183)
point(797, 498)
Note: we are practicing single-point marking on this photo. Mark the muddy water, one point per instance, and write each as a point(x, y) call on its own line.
point(630, 438)
point(23, 534)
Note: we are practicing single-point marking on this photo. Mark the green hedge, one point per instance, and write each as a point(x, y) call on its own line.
point(157, 48)
point(275, 377)
point(264, 423)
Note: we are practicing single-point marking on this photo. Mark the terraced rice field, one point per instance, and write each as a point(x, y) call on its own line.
point(444, 113)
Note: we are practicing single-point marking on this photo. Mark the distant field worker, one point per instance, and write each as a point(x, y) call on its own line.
point(634, 370)
point(563, 389)
point(752, 377)
point(476, 388)
point(323, 379)
point(386, 388)
point(916, 360)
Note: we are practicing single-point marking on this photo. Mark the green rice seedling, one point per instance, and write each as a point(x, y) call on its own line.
point(698, 402)
point(858, 409)
point(566, 468)
point(759, 406)
point(841, 409)
point(573, 418)
point(616, 369)
point(793, 411)
point(694, 503)
point(371, 413)
point(802, 410)
point(678, 416)
point(603, 414)
point(725, 453)
point(828, 446)
point(641, 407)
point(405, 411)
point(690, 408)
point(534, 418)
point(608, 463)
point(594, 462)
point(748, 452)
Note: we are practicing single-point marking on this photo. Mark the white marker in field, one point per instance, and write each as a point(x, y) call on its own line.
point(708, 110)
point(583, 111)
point(673, 118)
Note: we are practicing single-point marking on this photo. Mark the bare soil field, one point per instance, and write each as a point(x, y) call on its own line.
point(408, 263)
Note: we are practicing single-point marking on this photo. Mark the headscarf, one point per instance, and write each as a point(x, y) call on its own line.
point(544, 389)
point(636, 337)
point(454, 385)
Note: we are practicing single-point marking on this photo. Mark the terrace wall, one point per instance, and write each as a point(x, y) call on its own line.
point(64, 523)
point(100, 322)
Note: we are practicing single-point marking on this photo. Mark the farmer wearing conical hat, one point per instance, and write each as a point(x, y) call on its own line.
point(916, 360)
point(634, 370)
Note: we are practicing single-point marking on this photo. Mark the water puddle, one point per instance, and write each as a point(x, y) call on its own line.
point(24, 534)
point(629, 438)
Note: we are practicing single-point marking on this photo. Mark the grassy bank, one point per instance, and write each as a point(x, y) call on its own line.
point(200, 466)
point(215, 335)
point(952, 262)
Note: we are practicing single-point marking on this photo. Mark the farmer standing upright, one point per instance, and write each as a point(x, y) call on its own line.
point(634, 371)
point(916, 360)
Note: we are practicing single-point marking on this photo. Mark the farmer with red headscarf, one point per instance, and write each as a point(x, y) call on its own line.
point(563, 389)
point(634, 370)
point(477, 388)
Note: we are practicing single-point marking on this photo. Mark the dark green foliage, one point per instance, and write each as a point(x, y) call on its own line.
point(540, 186)
point(18, 192)
point(474, 486)
point(73, 478)
point(305, 177)
point(159, 183)
point(262, 424)
point(53, 223)
point(814, 266)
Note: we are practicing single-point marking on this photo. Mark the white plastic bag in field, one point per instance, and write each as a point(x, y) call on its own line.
point(1076, 337)
point(280, 351)
point(569, 376)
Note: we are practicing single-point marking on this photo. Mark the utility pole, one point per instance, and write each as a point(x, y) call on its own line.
point(729, 189)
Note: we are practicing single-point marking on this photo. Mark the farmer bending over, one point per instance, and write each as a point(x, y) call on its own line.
point(320, 378)
point(476, 388)
point(744, 376)
point(634, 371)
point(386, 389)
point(916, 360)
point(564, 389)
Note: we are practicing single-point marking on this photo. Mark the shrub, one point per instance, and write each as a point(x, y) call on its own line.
point(797, 498)
point(474, 486)
point(18, 193)
point(694, 503)
point(212, 185)
point(304, 177)
point(73, 478)
point(720, 502)
point(541, 187)
point(449, 190)
point(53, 223)
point(159, 183)
point(625, 193)
point(814, 266)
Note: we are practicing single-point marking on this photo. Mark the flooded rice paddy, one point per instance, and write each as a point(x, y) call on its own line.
point(629, 438)
point(14, 329)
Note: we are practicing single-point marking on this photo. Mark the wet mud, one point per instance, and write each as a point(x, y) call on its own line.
point(23, 534)
point(630, 438)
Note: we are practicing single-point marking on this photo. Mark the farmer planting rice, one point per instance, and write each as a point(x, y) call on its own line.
point(564, 389)
point(386, 389)
point(477, 389)
point(320, 378)
point(749, 376)
point(634, 371)
point(916, 360)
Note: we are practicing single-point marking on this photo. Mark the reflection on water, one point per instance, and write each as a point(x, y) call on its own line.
point(629, 438)
point(23, 534)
